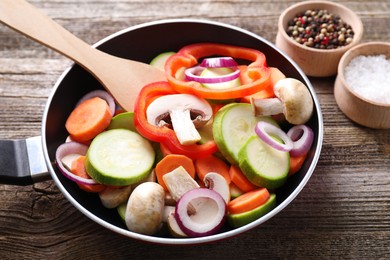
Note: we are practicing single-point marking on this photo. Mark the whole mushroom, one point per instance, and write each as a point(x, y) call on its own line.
point(145, 208)
point(293, 99)
point(184, 112)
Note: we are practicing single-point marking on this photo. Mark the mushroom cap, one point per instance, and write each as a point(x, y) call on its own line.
point(296, 99)
point(160, 108)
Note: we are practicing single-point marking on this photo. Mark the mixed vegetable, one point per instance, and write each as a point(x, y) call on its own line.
point(210, 145)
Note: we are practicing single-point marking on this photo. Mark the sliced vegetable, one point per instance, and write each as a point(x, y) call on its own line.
point(271, 135)
point(78, 168)
point(123, 120)
point(263, 165)
point(217, 73)
point(248, 201)
point(218, 183)
point(234, 191)
point(219, 62)
point(207, 219)
point(101, 94)
point(240, 180)
point(267, 92)
point(241, 219)
point(88, 119)
point(188, 57)
point(165, 135)
point(302, 137)
point(197, 74)
point(183, 112)
point(212, 163)
point(112, 197)
point(170, 163)
point(119, 157)
point(71, 148)
point(179, 182)
point(296, 163)
point(232, 126)
point(121, 209)
point(159, 60)
point(145, 208)
point(174, 228)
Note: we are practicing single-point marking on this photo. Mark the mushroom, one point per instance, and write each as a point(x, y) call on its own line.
point(145, 208)
point(215, 181)
point(183, 112)
point(293, 99)
point(112, 197)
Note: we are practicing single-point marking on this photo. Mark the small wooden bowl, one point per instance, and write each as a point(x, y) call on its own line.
point(358, 108)
point(316, 62)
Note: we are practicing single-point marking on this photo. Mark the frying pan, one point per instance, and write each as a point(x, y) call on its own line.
point(32, 160)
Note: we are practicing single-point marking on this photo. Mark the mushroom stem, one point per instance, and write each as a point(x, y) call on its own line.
point(266, 106)
point(184, 112)
point(293, 99)
point(183, 126)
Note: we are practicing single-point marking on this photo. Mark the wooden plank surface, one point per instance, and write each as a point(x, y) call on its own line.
point(342, 213)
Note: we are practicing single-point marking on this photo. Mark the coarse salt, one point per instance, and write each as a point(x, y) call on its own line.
point(369, 77)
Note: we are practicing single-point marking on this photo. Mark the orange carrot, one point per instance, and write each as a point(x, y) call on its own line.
point(171, 162)
point(248, 201)
point(88, 119)
point(212, 164)
point(78, 168)
point(240, 180)
point(296, 163)
point(276, 75)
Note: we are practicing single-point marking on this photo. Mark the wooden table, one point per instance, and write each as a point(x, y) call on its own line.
point(343, 212)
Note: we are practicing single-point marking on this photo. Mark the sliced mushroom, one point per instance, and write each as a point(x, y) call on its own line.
point(293, 99)
point(183, 112)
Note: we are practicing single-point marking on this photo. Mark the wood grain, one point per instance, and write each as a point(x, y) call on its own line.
point(342, 213)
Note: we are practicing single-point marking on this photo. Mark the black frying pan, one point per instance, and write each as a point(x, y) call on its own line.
point(35, 156)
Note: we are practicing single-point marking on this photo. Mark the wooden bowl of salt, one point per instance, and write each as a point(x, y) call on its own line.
point(362, 86)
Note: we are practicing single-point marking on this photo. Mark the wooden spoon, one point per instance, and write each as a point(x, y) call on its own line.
point(121, 77)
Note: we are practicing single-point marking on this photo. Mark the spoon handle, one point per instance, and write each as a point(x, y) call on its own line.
point(123, 78)
point(29, 21)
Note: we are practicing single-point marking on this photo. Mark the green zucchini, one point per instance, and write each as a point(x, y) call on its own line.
point(233, 125)
point(262, 164)
point(119, 157)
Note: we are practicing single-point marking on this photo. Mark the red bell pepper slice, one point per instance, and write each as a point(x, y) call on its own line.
point(165, 135)
point(189, 55)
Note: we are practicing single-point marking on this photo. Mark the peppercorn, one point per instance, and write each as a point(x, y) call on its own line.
point(320, 29)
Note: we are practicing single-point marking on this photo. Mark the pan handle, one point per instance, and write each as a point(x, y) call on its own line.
point(22, 161)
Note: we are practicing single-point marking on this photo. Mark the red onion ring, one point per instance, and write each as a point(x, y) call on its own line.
point(219, 62)
point(302, 137)
point(207, 219)
point(101, 94)
point(72, 148)
point(266, 130)
point(192, 74)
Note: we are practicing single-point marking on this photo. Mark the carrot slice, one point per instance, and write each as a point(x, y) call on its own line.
point(171, 162)
point(248, 201)
point(240, 180)
point(296, 163)
point(88, 119)
point(268, 92)
point(78, 168)
point(212, 164)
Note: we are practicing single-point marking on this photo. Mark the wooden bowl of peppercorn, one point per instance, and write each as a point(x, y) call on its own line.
point(316, 34)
